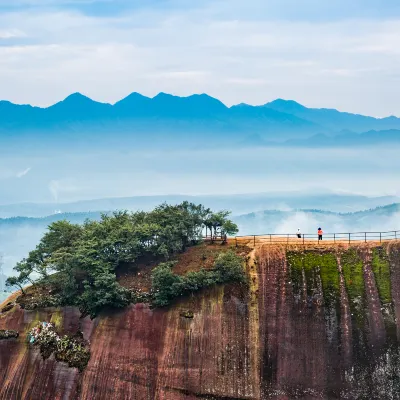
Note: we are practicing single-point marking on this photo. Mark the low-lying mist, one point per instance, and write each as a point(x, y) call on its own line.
point(308, 222)
point(19, 236)
point(53, 176)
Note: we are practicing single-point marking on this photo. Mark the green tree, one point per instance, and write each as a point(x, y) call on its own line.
point(165, 284)
point(103, 291)
point(219, 225)
point(86, 257)
point(20, 281)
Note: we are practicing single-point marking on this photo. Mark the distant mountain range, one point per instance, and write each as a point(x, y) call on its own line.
point(237, 203)
point(189, 121)
point(379, 219)
point(19, 235)
point(259, 222)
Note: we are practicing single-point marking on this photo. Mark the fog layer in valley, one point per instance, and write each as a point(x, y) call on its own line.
point(52, 178)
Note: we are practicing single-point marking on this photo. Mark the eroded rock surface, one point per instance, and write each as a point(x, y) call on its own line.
point(311, 324)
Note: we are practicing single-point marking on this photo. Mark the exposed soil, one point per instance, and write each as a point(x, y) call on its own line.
point(138, 276)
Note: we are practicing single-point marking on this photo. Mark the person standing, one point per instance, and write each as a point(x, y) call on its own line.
point(320, 233)
point(298, 233)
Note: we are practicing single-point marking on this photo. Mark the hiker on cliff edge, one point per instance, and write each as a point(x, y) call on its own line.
point(320, 233)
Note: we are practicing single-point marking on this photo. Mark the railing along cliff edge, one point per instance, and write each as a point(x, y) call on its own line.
point(327, 237)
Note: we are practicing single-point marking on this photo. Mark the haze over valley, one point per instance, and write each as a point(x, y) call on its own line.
point(263, 163)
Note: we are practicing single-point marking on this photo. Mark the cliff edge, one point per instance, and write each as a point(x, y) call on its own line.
point(312, 323)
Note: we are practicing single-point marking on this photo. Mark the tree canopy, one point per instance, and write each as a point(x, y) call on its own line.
point(85, 257)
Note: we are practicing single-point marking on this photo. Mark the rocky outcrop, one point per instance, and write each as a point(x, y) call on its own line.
point(301, 329)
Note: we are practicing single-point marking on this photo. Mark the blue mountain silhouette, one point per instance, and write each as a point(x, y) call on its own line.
point(166, 117)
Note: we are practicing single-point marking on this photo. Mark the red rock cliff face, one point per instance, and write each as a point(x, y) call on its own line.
point(267, 341)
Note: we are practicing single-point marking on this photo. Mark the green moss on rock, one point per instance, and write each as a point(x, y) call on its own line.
point(381, 269)
point(315, 265)
point(352, 268)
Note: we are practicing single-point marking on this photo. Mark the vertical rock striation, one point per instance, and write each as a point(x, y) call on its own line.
point(312, 323)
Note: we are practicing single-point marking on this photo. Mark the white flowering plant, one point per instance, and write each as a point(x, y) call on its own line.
point(73, 351)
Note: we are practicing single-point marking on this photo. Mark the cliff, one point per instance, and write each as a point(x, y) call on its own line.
point(313, 323)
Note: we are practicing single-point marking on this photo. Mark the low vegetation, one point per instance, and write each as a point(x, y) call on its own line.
point(72, 350)
point(9, 306)
point(381, 269)
point(8, 334)
point(166, 285)
point(77, 264)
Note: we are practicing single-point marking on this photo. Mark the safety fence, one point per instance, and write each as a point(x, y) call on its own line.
point(290, 238)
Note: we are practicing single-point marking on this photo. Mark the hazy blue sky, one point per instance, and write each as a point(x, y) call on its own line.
point(342, 54)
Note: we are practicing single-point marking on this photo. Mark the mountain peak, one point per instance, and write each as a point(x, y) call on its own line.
point(285, 104)
point(77, 97)
point(133, 99)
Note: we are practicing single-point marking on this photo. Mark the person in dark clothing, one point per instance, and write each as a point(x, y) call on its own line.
point(320, 233)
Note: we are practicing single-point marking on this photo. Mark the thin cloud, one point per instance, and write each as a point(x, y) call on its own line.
point(11, 34)
point(230, 53)
point(23, 173)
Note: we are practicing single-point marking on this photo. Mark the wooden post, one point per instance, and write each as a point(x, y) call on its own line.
point(270, 238)
point(365, 233)
point(254, 240)
point(303, 238)
point(349, 238)
point(288, 238)
point(395, 235)
point(334, 238)
point(236, 240)
point(380, 237)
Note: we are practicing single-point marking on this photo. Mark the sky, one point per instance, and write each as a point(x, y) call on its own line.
point(338, 54)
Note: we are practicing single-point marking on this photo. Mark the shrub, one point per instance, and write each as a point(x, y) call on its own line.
point(9, 306)
point(166, 285)
point(229, 267)
point(71, 350)
point(39, 301)
point(104, 291)
point(8, 334)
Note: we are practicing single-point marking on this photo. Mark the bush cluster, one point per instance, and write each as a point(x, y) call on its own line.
point(8, 334)
point(167, 286)
point(72, 351)
point(39, 301)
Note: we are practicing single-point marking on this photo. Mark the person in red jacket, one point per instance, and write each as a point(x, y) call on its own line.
point(320, 233)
